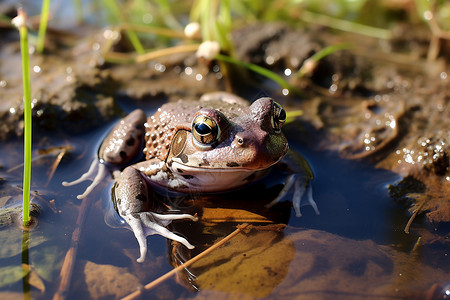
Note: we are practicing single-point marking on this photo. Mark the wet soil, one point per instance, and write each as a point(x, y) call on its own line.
point(368, 103)
point(376, 103)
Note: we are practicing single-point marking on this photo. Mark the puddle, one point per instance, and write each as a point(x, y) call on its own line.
point(361, 132)
point(357, 217)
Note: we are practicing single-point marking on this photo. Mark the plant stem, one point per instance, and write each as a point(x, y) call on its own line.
point(310, 63)
point(43, 26)
point(260, 70)
point(20, 22)
point(344, 25)
point(165, 52)
point(78, 6)
point(115, 11)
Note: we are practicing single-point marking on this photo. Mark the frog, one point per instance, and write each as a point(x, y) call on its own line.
point(218, 143)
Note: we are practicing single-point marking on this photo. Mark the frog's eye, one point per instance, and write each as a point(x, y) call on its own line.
point(278, 117)
point(205, 131)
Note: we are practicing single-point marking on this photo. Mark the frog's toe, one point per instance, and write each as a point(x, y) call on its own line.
point(170, 217)
point(290, 181)
point(155, 225)
point(302, 194)
point(144, 224)
point(161, 230)
point(302, 197)
point(99, 170)
point(140, 234)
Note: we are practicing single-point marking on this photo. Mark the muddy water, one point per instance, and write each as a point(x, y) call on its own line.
point(357, 237)
point(370, 120)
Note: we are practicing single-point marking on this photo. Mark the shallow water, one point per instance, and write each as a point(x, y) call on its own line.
point(353, 200)
point(355, 248)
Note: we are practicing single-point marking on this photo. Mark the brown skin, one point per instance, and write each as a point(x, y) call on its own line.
point(212, 145)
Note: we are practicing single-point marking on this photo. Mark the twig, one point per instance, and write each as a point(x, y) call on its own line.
point(416, 245)
point(413, 217)
point(154, 30)
point(55, 165)
point(169, 274)
point(166, 51)
point(69, 259)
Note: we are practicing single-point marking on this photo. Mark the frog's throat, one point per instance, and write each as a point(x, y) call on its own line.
point(205, 180)
point(229, 169)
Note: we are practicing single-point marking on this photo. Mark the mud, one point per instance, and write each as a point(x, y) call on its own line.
point(378, 101)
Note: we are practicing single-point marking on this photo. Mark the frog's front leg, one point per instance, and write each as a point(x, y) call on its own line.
point(131, 193)
point(121, 146)
point(297, 181)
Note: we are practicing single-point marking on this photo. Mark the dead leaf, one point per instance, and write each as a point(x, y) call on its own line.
point(326, 265)
point(11, 295)
point(11, 274)
point(35, 281)
point(218, 215)
point(251, 264)
point(3, 200)
point(102, 281)
point(11, 238)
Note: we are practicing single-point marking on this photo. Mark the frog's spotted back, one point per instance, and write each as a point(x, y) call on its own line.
point(158, 136)
point(161, 127)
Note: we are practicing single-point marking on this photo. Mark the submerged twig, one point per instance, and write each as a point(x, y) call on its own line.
point(42, 153)
point(70, 258)
point(408, 225)
point(169, 274)
point(55, 165)
point(416, 245)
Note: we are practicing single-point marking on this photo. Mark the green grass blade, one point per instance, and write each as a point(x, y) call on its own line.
point(27, 120)
point(260, 70)
point(117, 14)
point(43, 25)
point(345, 25)
point(311, 62)
point(78, 7)
point(20, 22)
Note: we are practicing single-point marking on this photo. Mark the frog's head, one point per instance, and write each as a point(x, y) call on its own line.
point(250, 139)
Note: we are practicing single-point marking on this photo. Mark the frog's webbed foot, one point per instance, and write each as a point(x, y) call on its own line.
point(98, 169)
point(144, 224)
point(133, 202)
point(302, 193)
